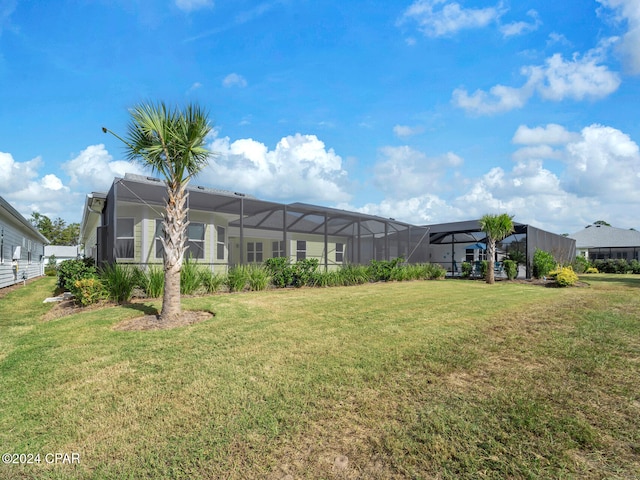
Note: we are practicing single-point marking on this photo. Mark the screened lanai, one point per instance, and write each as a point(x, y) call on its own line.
point(361, 237)
point(450, 243)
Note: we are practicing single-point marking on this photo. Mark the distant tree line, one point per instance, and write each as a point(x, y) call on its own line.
point(57, 231)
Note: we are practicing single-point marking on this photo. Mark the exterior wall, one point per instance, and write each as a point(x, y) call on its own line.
point(29, 264)
point(61, 253)
point(144, 220)
point(315, 247)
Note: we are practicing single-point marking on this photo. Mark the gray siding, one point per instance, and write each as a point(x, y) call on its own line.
point(30, 263)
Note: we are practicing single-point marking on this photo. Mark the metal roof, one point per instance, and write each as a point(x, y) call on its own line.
point(599, 236)
point(26, 223)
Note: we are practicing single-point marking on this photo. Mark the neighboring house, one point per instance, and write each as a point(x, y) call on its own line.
point(599, 242)
point(61, 253)
point(21, 247)
point(230, 228)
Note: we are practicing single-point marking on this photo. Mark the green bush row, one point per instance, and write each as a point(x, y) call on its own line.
point(118, 282)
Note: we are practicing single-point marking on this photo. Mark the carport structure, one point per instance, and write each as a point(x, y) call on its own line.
point(525, 238)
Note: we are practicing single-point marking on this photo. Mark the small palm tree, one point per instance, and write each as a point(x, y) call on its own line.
point(496, 227)
point(172, 143)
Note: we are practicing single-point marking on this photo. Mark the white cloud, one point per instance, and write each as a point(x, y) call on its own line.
point(604, 162)
point(628, 11)
point(404, 172)
point(551, 134)
point(577, 79)
point(234, 80)
point(21, 186)
point(94, 169)
point(190, 5)
point(299, 168)
point(499, 99)
point(436, 18)
point(558, 79)
point(419, 210)
point(596, 175)
point(17, 175)
point(520, 28)
point(407, 131)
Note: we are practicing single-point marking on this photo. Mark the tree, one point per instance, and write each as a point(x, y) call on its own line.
point(602, 222)
point(497, 228)
point(56, 231)
point(172, 143)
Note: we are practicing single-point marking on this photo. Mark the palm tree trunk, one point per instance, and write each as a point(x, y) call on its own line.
point(175, 226)
point(491, 253)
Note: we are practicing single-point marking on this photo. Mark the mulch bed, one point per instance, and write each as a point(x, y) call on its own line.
point(150, 321)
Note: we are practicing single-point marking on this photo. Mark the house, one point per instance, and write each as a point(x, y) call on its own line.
point(600, 242)
point(230, 228)
point(21, 247)
point(60, 253)
point(227, 228)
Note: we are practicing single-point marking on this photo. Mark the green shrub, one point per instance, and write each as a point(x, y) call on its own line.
point(592, 270)
point(467, 268)
point(71, 270)
point(564, 276)
point(353, 275)
point(303, 271)
point(119, 282)
point(87, 291)
point(258, 278)
point(383, 270)
point(237, 278)
point(543, 263)
point(634, 266)
point(212, 282)
point(580, 264)
point(484, 267)
point(280, 271)
point(510, 268)
point(612, 265)
point(433, 271)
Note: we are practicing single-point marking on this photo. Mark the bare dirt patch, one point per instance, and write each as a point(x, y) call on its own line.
point(153, 322)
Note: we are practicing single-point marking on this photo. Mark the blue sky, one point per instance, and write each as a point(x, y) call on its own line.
point(422, 110)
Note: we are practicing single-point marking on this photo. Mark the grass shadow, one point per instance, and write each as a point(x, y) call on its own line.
point(626, 279)
point(141, 307)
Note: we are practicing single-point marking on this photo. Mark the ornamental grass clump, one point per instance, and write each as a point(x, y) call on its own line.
point(119, 282)
point(212, 282)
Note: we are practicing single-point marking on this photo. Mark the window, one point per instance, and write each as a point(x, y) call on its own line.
point(220, 242)
point(195, 240)
point(339, 252)
point(158, 235)
point(301, 250)
point(277, 249)
point(124, 238)
point(254, 252)
point(468, 255)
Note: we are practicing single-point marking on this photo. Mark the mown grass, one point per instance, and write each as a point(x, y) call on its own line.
point(448, 379)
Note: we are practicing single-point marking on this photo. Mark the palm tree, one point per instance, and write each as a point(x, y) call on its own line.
point(496, 227)
point(172, 143)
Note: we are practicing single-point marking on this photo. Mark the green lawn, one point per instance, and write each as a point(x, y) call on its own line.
point(442, 379)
